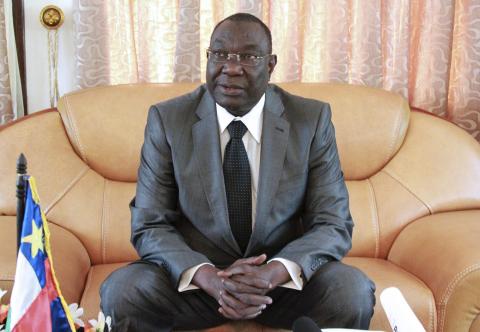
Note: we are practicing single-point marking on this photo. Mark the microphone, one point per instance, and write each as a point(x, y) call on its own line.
point(305, 324)
point(400, 316)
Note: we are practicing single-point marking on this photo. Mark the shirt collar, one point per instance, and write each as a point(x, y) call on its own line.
point(252, 120)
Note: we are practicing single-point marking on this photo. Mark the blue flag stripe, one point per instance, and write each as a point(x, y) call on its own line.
point(33, 214)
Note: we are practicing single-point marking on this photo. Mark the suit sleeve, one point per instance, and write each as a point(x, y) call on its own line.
point(326, 218)
point(155, 213)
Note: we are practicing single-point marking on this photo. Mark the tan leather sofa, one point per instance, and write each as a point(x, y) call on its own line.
point(413, 179)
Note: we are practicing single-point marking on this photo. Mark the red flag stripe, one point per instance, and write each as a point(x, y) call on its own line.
point(49, 285)
point(37, 317)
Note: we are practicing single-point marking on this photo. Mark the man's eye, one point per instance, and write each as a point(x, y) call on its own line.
point(248, 57)
point(220, 55)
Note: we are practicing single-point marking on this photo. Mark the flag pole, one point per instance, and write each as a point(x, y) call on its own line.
point(21, 171)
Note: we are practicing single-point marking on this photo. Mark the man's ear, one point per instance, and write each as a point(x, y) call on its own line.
point(272, 62)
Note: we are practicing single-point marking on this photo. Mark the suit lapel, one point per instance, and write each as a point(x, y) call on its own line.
point(206, 149)
point(274, 145)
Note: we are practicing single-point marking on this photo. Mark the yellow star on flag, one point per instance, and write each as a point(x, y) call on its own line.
point(35, 239)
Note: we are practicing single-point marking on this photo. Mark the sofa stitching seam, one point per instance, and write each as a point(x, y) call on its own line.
point(408, 189)
point(103, 221)
point(374, 210)
point(395, 137)
point(432, 318)
point(451, 287)
point(454, 282)
point(62, 194)
point(7, 277)
point(75, 130)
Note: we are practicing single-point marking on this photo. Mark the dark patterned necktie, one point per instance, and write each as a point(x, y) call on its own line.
point(238, 186)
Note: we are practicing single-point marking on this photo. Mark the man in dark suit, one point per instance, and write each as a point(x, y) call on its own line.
point(241, 210)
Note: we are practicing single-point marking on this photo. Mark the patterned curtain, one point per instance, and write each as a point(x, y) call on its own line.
point(6, 110)
point(426, 50)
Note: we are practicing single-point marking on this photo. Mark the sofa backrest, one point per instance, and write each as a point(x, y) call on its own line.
point(399, 165)
point(93, 127)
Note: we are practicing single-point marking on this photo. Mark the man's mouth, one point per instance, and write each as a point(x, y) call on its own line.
point(230, 89)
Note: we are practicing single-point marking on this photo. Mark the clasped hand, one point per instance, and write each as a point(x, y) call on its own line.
point(241, 288)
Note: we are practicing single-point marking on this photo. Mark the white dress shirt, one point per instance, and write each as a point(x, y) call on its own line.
point(253, 120)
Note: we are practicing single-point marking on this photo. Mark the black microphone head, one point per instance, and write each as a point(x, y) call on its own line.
point(305, 324)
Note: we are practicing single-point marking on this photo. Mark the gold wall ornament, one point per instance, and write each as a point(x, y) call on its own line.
point(52, 19)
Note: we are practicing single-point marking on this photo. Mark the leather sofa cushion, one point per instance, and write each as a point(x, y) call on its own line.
point(8, 256)
point(50, 157)
point(370, 124)
point(384, 274)
point(90, 301)
point(103, 227)
point(439, 164)
point(107, 134)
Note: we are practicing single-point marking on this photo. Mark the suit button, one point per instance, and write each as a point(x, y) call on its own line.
point(166, 267)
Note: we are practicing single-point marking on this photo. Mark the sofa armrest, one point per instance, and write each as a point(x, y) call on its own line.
point(71, 262)
point(70, 259)
point(8, 257)
point(443, 250)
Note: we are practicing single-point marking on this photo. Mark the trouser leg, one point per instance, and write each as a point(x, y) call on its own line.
point(140, 297)
point(337, 296)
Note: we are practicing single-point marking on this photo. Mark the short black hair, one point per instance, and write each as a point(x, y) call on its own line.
point(245, 17)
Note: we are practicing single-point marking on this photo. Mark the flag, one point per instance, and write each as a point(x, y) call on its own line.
point(36, 303)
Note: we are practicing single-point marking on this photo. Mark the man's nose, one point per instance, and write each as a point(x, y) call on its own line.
point(232, 67)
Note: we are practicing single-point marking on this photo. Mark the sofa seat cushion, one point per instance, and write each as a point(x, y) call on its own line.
point(384, 273)
point(91, 297)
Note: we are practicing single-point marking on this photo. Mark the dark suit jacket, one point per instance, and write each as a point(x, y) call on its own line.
point(179, 215)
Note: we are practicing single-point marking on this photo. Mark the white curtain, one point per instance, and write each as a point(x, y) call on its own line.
point(11, 102)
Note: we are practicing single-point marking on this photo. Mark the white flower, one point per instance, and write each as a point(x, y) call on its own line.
point(99, 324)
point(76, 313)
point(2, 292)
point(1, 328)
point(108, 321)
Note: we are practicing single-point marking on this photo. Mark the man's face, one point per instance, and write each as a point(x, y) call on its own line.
point(234, 86)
